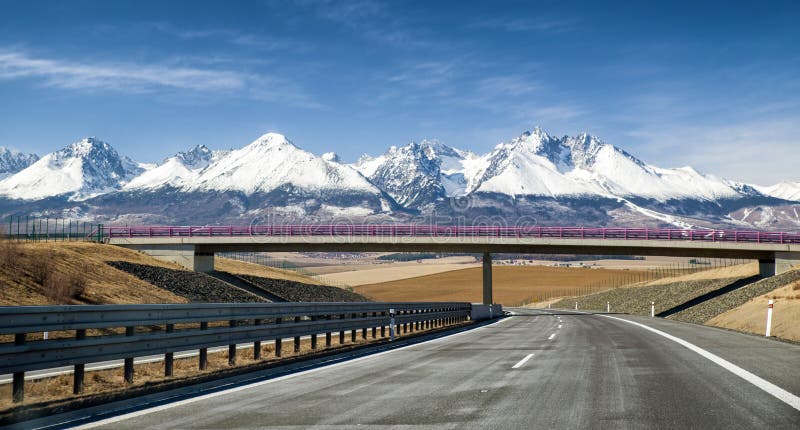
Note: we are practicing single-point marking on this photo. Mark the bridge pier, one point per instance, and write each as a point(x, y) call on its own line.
point(185, 255)
point(780, 263)
point(487, 278)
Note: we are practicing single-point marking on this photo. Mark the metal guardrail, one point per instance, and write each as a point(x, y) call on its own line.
point(393, 230)
point(241, 323)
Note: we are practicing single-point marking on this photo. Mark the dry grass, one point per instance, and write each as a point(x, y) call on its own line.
point(25, 280)
point(751, 317)
point(391, 272)
point(512, 285)
point(738, 271)
point(109, 382)
point(243, 268)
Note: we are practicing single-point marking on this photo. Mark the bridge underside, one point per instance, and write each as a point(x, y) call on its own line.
point(199, 256)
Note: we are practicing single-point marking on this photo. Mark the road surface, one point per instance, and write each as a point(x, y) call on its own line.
point(539, 369)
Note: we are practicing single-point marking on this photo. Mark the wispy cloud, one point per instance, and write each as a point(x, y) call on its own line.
point(539, 25)
point(761, 151)
point(371, 20)
point(235, 37)
point(144, 78)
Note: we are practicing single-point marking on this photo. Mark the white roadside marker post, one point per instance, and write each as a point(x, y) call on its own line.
point(769, 318)
point(391, 325)
point(652, 309)
point(576, 306)
point(608, 307)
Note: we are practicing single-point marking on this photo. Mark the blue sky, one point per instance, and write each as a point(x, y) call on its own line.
point(715, 85)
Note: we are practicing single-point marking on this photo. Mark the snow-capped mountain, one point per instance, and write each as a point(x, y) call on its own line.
point(537, 177)
point(785, 190)
point(272, 161)
point(81, 170)
point(419, 173)
point(176, 171)
point(538, 164)
point(12, 161)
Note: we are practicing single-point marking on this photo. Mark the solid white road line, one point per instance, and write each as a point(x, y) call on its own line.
point(551, 336)
point(774, 390)
point(521, 362)
point(129, 415)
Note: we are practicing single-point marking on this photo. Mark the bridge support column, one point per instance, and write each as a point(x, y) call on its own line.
point(785, 261)
point(487, 278)
point(185, 255)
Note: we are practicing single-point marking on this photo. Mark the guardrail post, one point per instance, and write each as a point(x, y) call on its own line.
point(77, 374)
point(328, 334)
point(257, 343)
point(405, 326)
point(278, 340)
point(203, 351)
point(169, 358)
point(232, 347)
point(297, 338)
point(341, 333)
point(374, 328)
point(391, 325)
point(313, 337)
point(383, 327)
point(364, 329)
point(129, 331)
point(353, 331)
point(18, 382)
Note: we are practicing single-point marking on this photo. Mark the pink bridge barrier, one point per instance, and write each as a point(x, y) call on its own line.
point(393, 230)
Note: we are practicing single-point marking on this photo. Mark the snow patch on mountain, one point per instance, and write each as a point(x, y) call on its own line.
point(12, 162)
point(176, 171)
point(81, 170)
point(272, 161)
point(784, 190)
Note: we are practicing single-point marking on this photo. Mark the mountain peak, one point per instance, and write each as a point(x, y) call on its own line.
point(271, 139)
point(331, 156)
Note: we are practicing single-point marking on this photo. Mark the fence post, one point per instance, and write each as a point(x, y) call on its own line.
point(769, 318)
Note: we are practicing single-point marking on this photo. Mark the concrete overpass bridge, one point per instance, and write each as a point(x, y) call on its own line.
point(194, 246)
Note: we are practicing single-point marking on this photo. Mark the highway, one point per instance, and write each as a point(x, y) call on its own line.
point(539, 369)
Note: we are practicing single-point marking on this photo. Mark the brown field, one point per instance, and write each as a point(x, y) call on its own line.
point(243, 268)
point(512, 285)
point(391, 272)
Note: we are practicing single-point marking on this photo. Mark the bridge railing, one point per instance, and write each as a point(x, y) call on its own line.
point(392, 230)
point(128, 331)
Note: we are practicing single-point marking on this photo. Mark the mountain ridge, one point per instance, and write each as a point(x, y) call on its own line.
point(526, 175)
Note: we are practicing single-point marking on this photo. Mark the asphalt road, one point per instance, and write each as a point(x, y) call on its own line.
point(537, 370)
